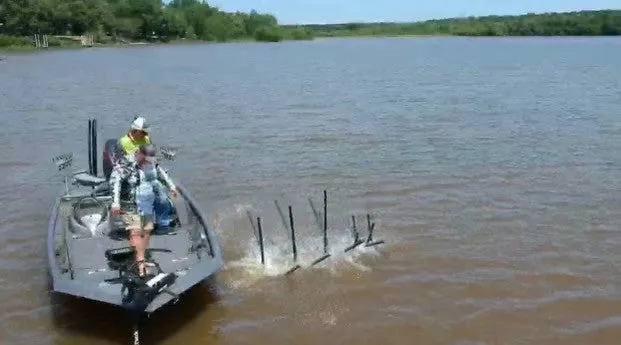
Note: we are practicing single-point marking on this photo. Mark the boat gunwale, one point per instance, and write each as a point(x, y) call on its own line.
point(51, 242)
point(201, 218)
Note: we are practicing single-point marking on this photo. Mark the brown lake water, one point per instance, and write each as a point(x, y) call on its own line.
point(492, 168)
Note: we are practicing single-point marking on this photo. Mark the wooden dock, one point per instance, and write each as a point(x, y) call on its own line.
point(40, 41)
point(85, 40)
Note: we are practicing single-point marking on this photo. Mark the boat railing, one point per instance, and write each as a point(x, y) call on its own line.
point(65, 249)
point(204, 235)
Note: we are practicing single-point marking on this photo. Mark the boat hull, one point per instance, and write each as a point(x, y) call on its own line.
point(78, 265)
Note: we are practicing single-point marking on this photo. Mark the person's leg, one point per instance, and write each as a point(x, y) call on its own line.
point(133, 225)
point(144, 201)
point(143, 236)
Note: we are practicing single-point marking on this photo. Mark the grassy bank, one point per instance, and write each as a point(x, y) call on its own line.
point(27, 44)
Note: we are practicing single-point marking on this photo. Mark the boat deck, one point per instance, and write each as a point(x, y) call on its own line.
point(89, 262)
point(84, 270)
point(81, 233)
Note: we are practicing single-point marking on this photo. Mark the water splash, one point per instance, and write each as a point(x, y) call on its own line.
point(245, 268)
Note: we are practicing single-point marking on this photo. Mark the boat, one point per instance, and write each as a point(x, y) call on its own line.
point(88, 248)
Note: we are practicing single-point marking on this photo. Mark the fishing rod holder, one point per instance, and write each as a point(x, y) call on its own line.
point(322, 224)
point(63, 161)
point(168, 152)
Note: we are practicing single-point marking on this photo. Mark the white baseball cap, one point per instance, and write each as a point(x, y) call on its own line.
point(140, 124)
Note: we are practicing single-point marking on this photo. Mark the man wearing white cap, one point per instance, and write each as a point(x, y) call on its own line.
point(137, 136)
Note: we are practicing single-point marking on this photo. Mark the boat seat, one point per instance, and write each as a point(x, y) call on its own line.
point(102, 189)
point(88, 180)
point(89, 220)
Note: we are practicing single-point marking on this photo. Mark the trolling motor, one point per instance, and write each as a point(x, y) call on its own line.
point(138, 292)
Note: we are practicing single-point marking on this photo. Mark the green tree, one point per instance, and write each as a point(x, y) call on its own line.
point(268, 34)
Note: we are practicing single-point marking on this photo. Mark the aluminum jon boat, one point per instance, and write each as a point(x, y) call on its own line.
point(88, 249)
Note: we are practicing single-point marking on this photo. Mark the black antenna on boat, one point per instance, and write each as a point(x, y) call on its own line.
point(92, 147)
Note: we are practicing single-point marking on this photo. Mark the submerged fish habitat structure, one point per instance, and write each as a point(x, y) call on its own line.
point(289, 225)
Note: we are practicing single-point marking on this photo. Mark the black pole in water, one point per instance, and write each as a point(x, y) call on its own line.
point(355, 234)
point(354, 230)
point(325, 222)
point(261, 240)
point(371, 227)
point(325, 230)
point(295, 249)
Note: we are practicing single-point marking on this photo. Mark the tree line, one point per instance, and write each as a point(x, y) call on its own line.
point(135, 20)
point(579, 23)
point(152, 20)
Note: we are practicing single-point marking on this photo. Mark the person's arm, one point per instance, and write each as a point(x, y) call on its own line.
point(116, 177)
point(162, 174)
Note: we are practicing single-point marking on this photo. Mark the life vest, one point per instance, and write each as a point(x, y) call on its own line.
point(130, 145)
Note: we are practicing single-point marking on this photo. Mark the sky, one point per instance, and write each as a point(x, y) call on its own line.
point(339, 11)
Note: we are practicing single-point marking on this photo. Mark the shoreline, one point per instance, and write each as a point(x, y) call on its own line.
point(19, 50)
